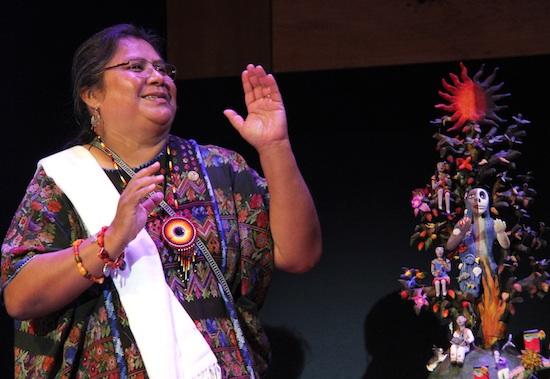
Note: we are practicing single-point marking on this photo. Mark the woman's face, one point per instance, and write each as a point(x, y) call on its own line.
point(134, 96)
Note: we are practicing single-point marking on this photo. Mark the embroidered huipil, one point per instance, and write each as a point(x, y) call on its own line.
point(91, 338)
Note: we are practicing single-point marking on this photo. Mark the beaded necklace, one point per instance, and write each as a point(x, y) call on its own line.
point(166, 234)
point(178, 232)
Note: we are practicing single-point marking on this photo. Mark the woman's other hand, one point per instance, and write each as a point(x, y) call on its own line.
point(134, 206)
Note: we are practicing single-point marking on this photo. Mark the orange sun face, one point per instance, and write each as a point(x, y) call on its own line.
point(471, 100)
point(471, 103)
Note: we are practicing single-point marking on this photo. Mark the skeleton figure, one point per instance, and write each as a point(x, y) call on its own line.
point(478, 234)
point(440, 266)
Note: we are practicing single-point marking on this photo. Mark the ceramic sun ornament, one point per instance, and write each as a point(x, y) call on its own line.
point(470, 101)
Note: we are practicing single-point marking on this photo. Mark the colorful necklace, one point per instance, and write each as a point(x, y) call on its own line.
point(178, 232)
point(169, 229)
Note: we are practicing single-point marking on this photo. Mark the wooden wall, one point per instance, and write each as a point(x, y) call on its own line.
point(217, 38)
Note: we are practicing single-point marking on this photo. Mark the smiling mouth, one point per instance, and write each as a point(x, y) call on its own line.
point(155, 97)
point(157, 100)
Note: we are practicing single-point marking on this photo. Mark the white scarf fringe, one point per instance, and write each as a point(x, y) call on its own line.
point(212, 372)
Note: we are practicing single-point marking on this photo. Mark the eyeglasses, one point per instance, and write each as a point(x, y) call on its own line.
point(139, 66)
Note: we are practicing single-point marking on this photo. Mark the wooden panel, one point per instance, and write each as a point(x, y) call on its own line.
point(218, 38)
point(314, 34)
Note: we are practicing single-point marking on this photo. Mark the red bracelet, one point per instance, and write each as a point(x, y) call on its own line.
point(104, 255)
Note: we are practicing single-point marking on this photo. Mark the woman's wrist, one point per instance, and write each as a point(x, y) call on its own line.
point(113, 245)
point(103, 254)
point(275, 149)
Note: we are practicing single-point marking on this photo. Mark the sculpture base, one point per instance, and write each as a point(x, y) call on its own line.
point(475, 358)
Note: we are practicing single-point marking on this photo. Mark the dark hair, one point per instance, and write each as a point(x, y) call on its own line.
point(89, 60)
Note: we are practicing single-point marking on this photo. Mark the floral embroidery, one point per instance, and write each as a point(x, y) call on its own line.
point(81, 335)
point(28, 366)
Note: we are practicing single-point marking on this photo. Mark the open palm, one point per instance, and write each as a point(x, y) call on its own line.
point(266, 120)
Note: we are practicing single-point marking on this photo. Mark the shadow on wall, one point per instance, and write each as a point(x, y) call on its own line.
point(6, 344)
point(288, 351)
point(398, 341)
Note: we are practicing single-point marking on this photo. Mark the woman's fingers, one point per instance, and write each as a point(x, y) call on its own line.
point(247, 88)
point(142, 183)
point(147, 181)
point(271, 89)
point(137, 193)
point(147, 171)
point(234, 118)
point(136, 202)
point(151, 202)
point(257, 84)
point(144, 192)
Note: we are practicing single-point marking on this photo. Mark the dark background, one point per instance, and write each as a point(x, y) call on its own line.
point(362, 138)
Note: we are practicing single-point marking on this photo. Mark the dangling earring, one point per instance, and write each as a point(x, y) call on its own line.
point(95, 119)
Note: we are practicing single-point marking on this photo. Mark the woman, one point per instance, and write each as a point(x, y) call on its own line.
point(125, 285)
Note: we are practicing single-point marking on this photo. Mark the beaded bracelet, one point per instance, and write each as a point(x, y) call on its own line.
point(81, 269)
point(102, 254)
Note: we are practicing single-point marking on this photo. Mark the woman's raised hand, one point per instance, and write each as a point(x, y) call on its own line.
point(265, 122)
